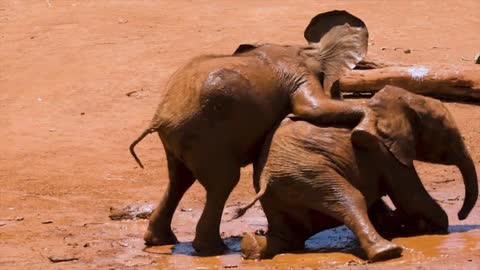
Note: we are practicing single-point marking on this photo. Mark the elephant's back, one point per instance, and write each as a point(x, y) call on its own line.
point(300, 146)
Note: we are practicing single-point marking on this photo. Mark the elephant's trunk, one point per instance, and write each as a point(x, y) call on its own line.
point(467, 168)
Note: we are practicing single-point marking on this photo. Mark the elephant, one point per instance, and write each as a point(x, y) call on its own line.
point(311, 177)
point(216, 111)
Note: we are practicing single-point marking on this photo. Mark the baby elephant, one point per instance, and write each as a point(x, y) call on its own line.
point(310, 178)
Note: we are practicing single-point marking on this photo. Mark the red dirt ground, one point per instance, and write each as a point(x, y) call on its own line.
point(66, 68)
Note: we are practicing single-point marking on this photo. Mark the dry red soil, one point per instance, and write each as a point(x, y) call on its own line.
point(79, 80)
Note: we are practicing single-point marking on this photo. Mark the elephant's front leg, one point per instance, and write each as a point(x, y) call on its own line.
point(334, 196)
point(309, 104)
point(351, 209)
point(410, 198)
point(392, 223)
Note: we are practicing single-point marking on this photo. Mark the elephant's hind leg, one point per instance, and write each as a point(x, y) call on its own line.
point(343, 202)
point(218, 176)
point(159, 230)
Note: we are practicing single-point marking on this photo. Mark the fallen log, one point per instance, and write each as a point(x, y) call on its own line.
point(441, 81)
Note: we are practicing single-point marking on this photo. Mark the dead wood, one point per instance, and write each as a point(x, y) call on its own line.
point(443, 81)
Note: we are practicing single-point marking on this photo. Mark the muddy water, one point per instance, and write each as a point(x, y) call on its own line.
point(332, 248)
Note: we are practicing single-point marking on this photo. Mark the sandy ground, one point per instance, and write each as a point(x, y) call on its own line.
point(79, 80)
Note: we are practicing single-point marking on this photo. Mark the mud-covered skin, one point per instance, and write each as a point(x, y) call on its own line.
point(310, 178)
point(216, 111)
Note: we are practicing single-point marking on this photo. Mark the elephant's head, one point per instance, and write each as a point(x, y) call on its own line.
point(337, 42)
point(415, 127)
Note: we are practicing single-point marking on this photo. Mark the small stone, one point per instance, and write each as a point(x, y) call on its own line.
point(407, 51)
point(229, 266)
point(186, 209)
point(52, 130)
point(383, 48)
point(47, 222)
point(2, 223)
point(19, 219)
point(352, 263)
point(477, 58)
point(86, 245)
point(120, 214)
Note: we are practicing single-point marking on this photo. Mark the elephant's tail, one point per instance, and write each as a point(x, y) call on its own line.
point(242, 210)
point(139, 139)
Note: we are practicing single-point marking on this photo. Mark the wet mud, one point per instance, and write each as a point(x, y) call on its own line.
point(332, 248)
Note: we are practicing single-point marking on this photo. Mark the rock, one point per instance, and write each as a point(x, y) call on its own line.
point(120, 214)
point(131, 212)
point(2, 223)
point(407, 51)
point(477, 58)
point(19, 219)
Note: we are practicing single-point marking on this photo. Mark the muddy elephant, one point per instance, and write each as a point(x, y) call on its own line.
point(310, 177)
point(216, 111)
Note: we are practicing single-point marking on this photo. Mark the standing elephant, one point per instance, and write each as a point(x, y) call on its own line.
point(216, 111)
point(310, 178)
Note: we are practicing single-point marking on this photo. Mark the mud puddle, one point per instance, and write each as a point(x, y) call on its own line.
point(332, 248)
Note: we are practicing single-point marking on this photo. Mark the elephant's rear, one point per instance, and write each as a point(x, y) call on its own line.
point(219, 107)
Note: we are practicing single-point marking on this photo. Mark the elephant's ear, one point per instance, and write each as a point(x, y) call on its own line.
point(324, 22)
point(396, 124)
point(244, 48)
point(338, 41)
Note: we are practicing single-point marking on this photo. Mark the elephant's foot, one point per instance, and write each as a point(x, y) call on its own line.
point(158, 238)
point(253, 246)
point(208, 247)
point(424, 227)
point(383, 250)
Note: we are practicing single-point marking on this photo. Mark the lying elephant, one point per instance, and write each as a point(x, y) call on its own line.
point(216, 111)
point(310, 178)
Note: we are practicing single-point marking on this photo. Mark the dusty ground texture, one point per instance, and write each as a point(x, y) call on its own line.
point(79, 80)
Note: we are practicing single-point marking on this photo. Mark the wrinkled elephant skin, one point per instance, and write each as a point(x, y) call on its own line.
point(310, 178)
